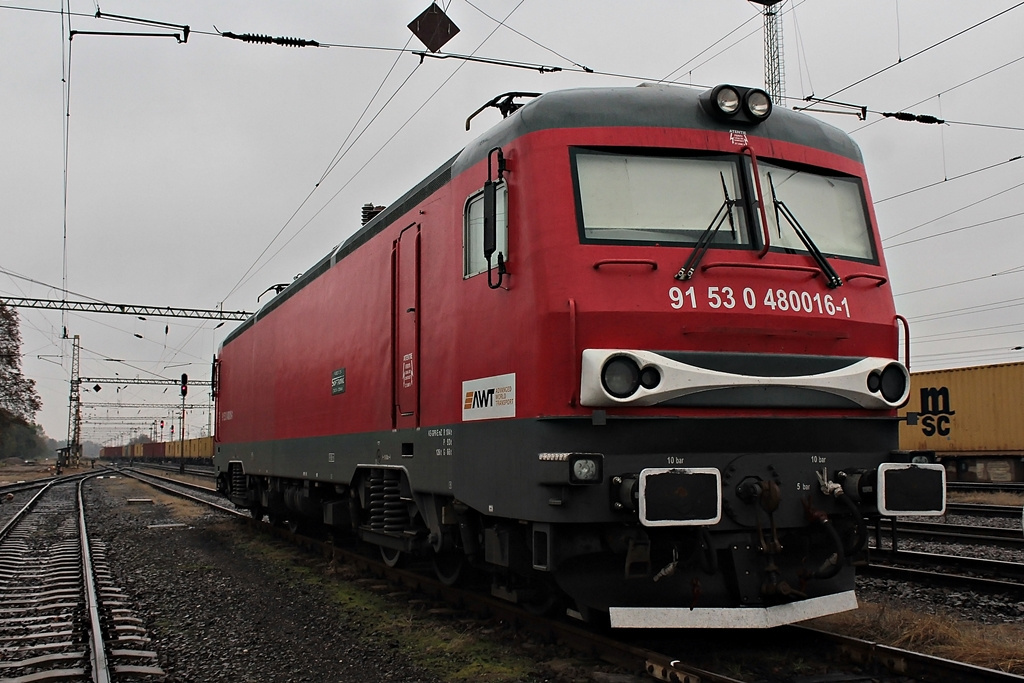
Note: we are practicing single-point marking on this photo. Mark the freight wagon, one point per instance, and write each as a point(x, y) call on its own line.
point(969, 419)
point(196, 451)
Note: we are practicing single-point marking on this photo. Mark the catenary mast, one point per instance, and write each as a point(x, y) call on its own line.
point(774, 71)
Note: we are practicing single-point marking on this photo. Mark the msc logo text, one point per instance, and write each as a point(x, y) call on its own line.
point(935, 411)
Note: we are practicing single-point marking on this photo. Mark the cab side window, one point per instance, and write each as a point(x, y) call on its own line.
point(473, 259)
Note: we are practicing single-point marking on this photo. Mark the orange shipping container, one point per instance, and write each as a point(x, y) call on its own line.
point(967, 411)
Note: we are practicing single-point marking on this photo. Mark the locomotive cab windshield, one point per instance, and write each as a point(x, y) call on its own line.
point(626, 196)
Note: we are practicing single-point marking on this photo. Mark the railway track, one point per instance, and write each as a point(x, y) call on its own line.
point(982, 510)
point(991, 536)
point(941, 554)
point(658, 655)
point(991, 487)
point(961, 573)
point(61, 616)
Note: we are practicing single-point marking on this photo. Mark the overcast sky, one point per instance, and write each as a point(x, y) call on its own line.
point(186, 160)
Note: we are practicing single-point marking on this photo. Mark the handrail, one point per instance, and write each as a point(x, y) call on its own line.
point(871, 276)
point(626, 262)
point(906, 338)
point(760, 202)
point(574, 357)
point(815, 272)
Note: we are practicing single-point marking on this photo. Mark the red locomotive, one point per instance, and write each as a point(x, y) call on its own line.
point(632, 350)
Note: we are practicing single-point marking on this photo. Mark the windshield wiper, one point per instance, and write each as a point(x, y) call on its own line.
point(708, 236)
point(832, 278)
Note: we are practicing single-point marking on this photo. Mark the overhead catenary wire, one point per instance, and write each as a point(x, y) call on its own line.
point(342, 151)
point(374, 155)
point(954, 230)
point(946, 91)
point(924, 50)
point(955, 211)
point(949, 179)
point(1011, 271)
point(968, 310)
point(502, 23)
point(956, 335)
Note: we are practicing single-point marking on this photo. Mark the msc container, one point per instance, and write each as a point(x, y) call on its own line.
point(972, 419)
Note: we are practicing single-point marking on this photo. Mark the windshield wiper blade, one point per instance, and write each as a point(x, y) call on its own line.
point(832, 278)
point(706, 237)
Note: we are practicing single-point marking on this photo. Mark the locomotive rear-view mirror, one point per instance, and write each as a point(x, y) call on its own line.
point(490, 220)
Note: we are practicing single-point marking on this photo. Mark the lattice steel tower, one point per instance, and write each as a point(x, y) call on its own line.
point(74, 447)
point(774, 71)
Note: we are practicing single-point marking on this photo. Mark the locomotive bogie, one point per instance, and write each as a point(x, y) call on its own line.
point(616, 350)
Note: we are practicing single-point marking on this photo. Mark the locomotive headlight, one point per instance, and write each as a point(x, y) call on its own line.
point(892, 382)
point(650, 377)
point(621, 376)
point(727, 100)
point(759, 105)
point(585, 468)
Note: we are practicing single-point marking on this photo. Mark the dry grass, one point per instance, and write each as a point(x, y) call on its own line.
point(12, 474)
point(995, 647)
point(982, 498)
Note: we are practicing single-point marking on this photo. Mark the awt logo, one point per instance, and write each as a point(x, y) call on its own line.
point(479, 399)
point(489, 398)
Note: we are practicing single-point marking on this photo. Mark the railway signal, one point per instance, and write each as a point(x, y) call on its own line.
point(184, 385)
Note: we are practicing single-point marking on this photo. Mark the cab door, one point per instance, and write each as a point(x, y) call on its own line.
point(405, 263)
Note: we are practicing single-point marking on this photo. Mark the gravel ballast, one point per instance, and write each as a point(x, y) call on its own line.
point(223, 602)
point(215, 611)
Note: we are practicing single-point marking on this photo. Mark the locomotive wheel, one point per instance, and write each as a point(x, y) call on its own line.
point(543, 601)
point(257, 513)
point(391, 557)
point(449, 567)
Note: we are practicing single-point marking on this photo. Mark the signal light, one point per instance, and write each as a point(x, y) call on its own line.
point(161, 424)
point(184, 384)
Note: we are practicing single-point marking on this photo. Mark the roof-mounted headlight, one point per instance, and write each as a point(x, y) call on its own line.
point(727, 99)
point(736, 103)
point(758, 104)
